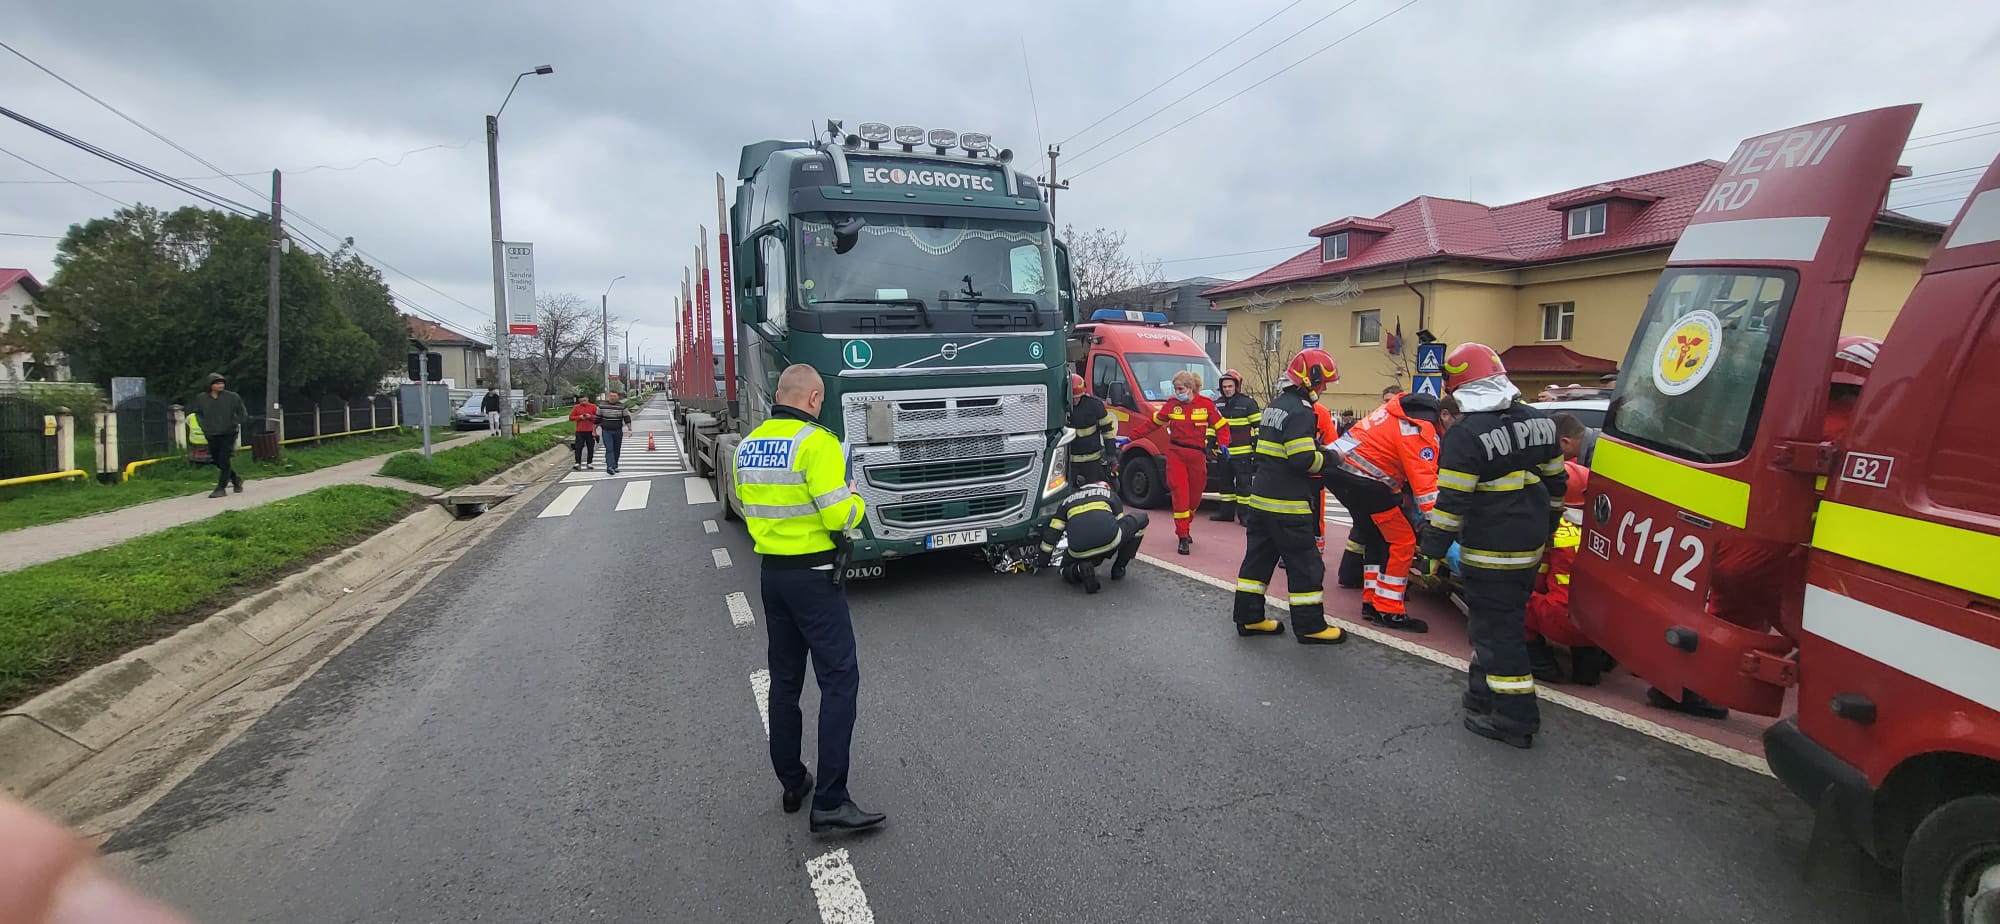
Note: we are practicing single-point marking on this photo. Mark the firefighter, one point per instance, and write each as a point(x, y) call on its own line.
point(1098, 527)
point(1500, 489)
point(1239, 414)
point(1094, 424)
point(1281, 513)
point(1391, 452)
point(1193, 433)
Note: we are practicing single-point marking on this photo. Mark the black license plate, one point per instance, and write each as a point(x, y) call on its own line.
point(862, 572)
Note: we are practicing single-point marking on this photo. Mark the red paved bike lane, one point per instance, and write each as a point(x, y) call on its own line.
point(1621, 698)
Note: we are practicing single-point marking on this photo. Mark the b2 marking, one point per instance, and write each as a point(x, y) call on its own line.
point(1866, 468)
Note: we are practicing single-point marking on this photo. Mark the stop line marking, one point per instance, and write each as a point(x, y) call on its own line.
point(1647, 727)
point(760, 690)
point(739, 610)
point(838, 889)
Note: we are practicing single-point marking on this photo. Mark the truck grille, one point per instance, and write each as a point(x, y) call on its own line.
point(934, 459)
point(939, 514)
point(928, 474)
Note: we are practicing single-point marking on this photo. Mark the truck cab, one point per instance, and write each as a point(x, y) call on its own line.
point(1130, 361)
point(1739, 546)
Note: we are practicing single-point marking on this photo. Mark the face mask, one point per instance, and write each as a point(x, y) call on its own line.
point(1182, 394)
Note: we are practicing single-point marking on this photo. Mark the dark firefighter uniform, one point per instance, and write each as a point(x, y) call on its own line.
point(1098, 527)
point(791, 478)
point(1095, 426)
point(1238, 461)
point(1280, 524)
point(1500, 491)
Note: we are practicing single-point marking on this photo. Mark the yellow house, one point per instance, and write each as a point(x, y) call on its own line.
point(1557, 284)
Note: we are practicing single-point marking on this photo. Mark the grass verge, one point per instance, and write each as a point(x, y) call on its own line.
point(37, 504)
point(471, 463)
point(64, 617)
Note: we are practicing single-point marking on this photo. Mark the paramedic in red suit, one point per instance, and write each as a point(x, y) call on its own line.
point(1548, 609)
point(1193, 425)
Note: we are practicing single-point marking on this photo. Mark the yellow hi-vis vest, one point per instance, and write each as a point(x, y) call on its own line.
point(195, 436)
point(791, 476)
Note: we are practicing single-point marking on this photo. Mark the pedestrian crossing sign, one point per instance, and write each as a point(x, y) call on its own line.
point(1432, 385)
point(1430, 359)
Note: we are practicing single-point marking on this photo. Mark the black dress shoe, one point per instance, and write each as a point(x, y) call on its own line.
point(797, 797)
point(848, 817)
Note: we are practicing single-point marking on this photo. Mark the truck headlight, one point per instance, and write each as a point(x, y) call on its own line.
point(1058, 476)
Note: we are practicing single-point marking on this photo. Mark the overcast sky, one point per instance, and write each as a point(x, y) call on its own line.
point(608, 165)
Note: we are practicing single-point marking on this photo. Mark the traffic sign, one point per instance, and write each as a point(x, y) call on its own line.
point(1432, 385)
point(1309, 342)
point(1430, 359)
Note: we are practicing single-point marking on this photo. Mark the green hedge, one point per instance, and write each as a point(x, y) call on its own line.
point(472, 463)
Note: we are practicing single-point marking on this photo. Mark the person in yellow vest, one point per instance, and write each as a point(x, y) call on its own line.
point(791, 477)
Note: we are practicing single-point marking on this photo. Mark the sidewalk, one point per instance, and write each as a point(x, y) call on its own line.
point(34, 545)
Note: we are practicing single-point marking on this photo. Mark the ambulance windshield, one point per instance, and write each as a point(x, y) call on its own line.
point(854, 261)
point(1155, 373)
point(1700, 362)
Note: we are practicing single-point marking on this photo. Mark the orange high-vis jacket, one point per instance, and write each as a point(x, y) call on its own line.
point(1396, 450)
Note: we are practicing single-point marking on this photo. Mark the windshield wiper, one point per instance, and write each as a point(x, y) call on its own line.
point(1034, 307)
point(923, 310)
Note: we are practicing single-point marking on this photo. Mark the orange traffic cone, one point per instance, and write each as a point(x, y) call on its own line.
point(651, 446)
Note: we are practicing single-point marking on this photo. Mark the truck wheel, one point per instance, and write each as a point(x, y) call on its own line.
point(1143, 482)
point(725, 479)
point(1951, 869)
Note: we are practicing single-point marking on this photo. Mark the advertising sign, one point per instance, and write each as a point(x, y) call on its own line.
point(520, 268)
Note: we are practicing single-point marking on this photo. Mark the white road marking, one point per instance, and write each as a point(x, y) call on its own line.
point(698, 491)
point(565, 503)
point(760, 690)
point(708, 526)
point(1651, 729)
point(721, 557)
point(739, 610)
point(838, 890)
point(635, 495)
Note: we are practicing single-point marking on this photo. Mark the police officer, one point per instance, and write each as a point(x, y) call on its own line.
point(1500, 496)
point(1239, 413)
point(1280, 525)
point(1094, 425)
point(791, 479)
point(1098, 527)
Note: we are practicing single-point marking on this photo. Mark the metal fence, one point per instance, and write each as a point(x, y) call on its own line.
point(26, 446)
point(145, 429)
point(333, 417)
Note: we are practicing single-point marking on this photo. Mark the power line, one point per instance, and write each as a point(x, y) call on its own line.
point(64, 179)
point(1919, 147)
point(1211, 81)
point(1177, 75)
point(1218, 104)
point(134, 166)
point(1953, 131)
point(288, 172)
point(46, 237)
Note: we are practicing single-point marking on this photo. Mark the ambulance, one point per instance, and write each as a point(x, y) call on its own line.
point(1130, 361)
point(1738, 547)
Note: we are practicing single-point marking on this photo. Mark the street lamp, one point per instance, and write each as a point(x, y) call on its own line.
point(500, 334)
point(604, 327)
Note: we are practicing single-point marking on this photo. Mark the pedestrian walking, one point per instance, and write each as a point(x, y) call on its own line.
point(1500, 496)
point(791, 477)
point(1239, 414)
point(584, 415)
point(1281, 510)
point(223, 416)
point(490, 406)
point(1094, 424)
point(1098, 527)
point(1192, 424)
point(612, 419)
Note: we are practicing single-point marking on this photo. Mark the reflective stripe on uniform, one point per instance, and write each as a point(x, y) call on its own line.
point(1553, 467)
point(1512, 481)
point(1271, 448)
point(1100, 550)
point(1366, 469)
point(770, 476)
point(1456, 480)
point(1356, 547)
point(830, 498)
point(1511, 683)
point(779, 512)
point(1446, 520)
point(1183, 514)
point(1724, 500)
point(1240, 450)
point(1087, 457)
point(1387, 593)
point(1312, 599)
point(1247, 586)
point(1302, 444)
point(1392, 580)
point(1274, 505)
point(1499, 561)
point(1088, 507)
point(1427, 499)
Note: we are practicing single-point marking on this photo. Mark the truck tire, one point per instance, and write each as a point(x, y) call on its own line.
point(1143, 481)
point(1951, 869)
point(725, 479)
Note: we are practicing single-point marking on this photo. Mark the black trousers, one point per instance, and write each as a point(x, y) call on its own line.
point(805, 614)
point(222, 451)
point(1270, 537)
point(1499, 676)
point(1237, 470)
point(586, 446)
point(1082, 473)
point(1131, 532)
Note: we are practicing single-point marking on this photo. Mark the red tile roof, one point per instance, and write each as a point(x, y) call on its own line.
point(439, 335)
point(1553, 359)
point(1429, 227)
point(9, 277)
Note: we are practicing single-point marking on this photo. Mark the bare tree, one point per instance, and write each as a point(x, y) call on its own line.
point(1106, 273)
point(1266, 370)
point(566, 346)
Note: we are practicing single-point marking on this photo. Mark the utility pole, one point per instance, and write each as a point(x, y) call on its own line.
point(625, 364)
point(502, 340)
point(1055, 150)
point(271, 317)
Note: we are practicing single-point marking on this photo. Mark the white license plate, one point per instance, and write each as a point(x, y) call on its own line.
point(962, 537)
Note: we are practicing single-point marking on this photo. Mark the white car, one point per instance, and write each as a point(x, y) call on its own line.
point(1588, 411)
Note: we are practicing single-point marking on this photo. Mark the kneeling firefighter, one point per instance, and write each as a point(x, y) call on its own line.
point(1280, 525)
point(1098, 528)
point(1390, 452)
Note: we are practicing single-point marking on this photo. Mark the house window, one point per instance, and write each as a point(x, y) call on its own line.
point(1274, 335)
point(1587, 221)
point(1333, 247)
point(1212, 342)
point(1367, 327)
point(1559, 321)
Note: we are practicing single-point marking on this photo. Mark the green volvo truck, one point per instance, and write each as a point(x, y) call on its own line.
point(921, 275)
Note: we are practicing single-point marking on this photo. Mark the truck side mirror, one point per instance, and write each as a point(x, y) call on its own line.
point(750, 269)
point(1065, 285)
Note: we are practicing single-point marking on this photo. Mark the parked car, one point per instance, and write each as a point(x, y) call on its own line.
point(1587, 411)
point(469, 416)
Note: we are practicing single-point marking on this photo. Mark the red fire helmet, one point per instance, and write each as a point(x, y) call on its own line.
point(1075, 385)
point(1312, 369)
point(1853, 359)
point(1470, 362)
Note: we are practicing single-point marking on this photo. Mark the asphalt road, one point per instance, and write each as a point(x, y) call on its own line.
point(562, 728)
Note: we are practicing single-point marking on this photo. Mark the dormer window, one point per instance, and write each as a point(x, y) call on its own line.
point(1587, 220)
point(1333, 247)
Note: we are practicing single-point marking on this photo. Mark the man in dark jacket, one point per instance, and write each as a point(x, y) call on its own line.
point(490, 406)
point(221, 414)
point(1098, 528)
point(1240, 414)
point(1500, 496)
point(1096, 431)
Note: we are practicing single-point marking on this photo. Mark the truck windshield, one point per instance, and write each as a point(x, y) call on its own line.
point(1154, 373)
point(1701, 361)
point(857, 261)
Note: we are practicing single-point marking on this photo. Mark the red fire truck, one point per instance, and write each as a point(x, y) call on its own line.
point(1131, 361)
point(1738, 547)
